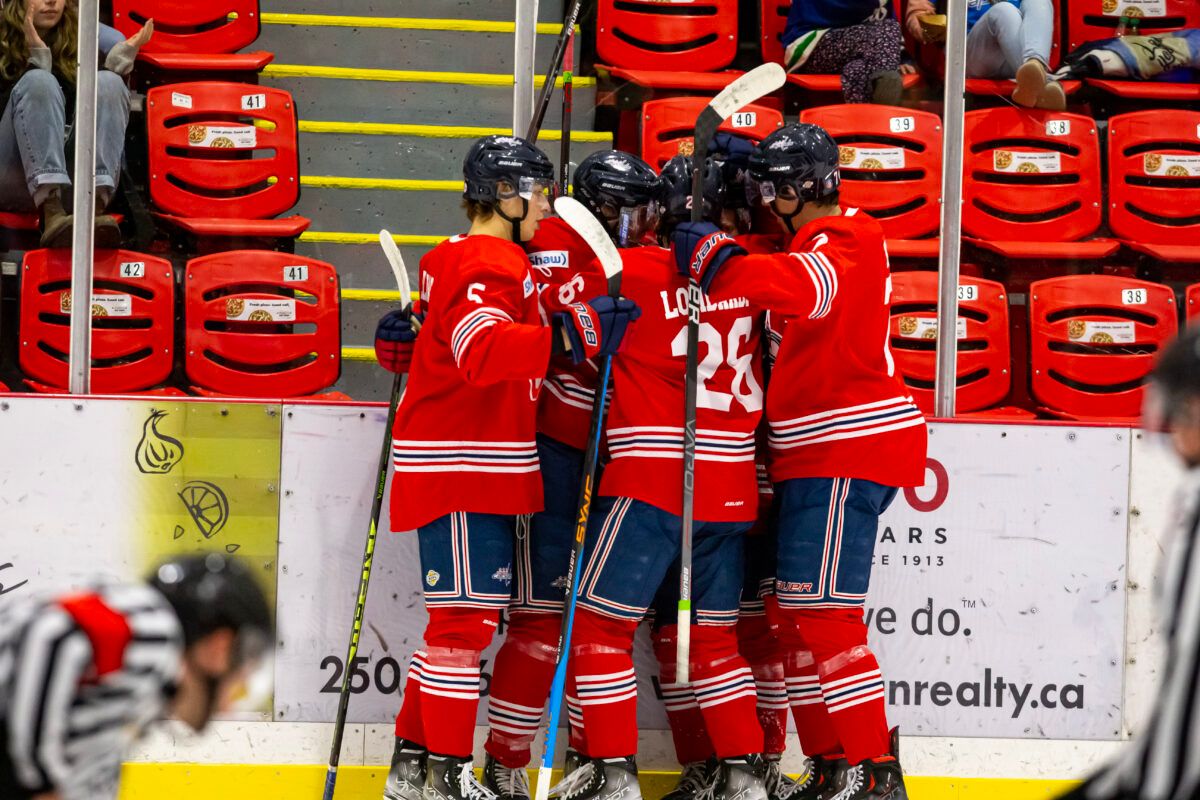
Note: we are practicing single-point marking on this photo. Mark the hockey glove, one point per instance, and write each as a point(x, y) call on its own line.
point(395, 338)
point(594, 328)
point(700, 250)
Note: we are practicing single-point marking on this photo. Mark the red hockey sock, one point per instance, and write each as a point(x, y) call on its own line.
point(757, 643)
point(815, 729)
point(408, 722)
point(578, 738)
point(602, 670)
point(852, 685)
point(446, 674)
point(724, 688)
point(520, 685)
point(683, 712)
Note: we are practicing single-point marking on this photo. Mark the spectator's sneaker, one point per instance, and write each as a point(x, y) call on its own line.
point(694, 777)
point(819, 779)
point(601, 779)
point(1052, 98)
point(887, 87)
point(779, 785)
point(738, 779)
point(451, 778)
point(406, 778)
point(1031, 80)
point(506, 783)
point(57, 224)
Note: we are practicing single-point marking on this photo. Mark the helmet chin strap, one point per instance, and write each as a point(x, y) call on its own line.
point(787, 218)
point(515, 222)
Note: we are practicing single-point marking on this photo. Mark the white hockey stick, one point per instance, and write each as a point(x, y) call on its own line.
point(592, 232)
point(397, 264)
point(756, 83)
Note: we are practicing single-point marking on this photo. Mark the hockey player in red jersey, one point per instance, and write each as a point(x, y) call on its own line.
point(637, 536)
point(843, 437)
point(464, 453)
point(621, 190)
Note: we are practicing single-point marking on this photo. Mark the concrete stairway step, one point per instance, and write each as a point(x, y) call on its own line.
point(548, 10)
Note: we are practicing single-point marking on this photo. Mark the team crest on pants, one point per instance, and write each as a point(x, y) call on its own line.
point(503, 574)
point(432, 577)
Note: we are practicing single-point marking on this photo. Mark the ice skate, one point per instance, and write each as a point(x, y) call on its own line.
point(737, 779)
point(779, 785)
point(406, 778)
point(694, 777)
point(819, 779)
point(601, 779)
point(505, 782)
point(450, 778)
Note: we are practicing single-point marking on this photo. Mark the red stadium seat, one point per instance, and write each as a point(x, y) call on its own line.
point(668, 124)
point(1032, 184)
point(202, 36)
point(710, 82)
point(1092, 20)
point(1158, 92)
point(891, 165)
point(1192, 301)
point(772, 23)
point(692, 36)
point(261, 324)
point(1004, 88)
point(1154, 182)
point(984, 367)
point(223, 158)
point(1094, 339)
point(133, 320)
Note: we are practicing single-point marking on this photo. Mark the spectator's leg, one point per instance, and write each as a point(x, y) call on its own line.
point(867, 56)
point(112, 118)
point(1036, 32)
point(38, 111)
point(14, 194)
point(986, 57)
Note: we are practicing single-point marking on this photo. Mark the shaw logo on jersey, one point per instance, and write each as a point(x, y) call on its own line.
point(546, 261)
point(680, 307)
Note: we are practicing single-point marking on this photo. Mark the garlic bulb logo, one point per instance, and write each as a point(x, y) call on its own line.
point(157, 453)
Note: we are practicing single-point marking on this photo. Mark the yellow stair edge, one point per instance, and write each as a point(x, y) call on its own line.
point(436, 131)
point(395, 184)
point(404, 75)
point(404, 23)
point(375, 295)
point(337, 237)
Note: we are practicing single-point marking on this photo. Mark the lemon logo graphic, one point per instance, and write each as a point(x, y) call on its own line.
point(207, 505)
point(157, 453)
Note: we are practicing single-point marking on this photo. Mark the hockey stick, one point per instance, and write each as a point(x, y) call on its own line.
point(567, 104)
point(360, 605)
point(756, 83)
point(556, 65)
point(592, 232)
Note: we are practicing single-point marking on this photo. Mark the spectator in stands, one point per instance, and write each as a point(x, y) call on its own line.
point(39, 43)
point(1005, 39)
point(857, 39)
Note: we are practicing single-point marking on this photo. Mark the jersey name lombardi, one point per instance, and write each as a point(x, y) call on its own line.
point(680, 306)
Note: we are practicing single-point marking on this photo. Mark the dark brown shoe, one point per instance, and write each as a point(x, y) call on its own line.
point(57, 224)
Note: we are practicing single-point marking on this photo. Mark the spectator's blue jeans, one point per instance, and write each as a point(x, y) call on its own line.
point(33, 138)
point(1006, 37)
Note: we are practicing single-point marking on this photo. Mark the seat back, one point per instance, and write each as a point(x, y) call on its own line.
point(133, 319)
point(984, 361)
point(772, 23)
point(891, 163)
point(259, 323)
point(1030, 175)
point(222, 150)
point(1094, 339)
point(683, 35)
point(211, 26)
point(1154, 176)
point(1192, 302)
point(668, 125)
point(1091, 20)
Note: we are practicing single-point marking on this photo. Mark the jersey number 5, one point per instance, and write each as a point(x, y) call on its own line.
point(743, 386)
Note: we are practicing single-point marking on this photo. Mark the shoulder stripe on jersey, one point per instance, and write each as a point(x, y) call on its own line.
point(850, 422)
point(470, 326)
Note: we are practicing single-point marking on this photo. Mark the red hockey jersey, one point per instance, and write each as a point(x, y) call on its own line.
point(464, 433)
point(835, 406)
point(645, 424)
point(564, 263)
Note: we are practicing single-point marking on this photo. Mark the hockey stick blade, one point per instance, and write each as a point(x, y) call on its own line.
point(392, 252)
point(754, 85)
point(592, 232)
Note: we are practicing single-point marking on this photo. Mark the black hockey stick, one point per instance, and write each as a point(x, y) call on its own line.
point(360, 605)
point(590, 229)
point(564, 150)
point(556, 66)
point(756, 83)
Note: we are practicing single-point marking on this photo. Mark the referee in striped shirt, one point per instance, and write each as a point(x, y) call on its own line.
point(82, 675)
point(1163, 762)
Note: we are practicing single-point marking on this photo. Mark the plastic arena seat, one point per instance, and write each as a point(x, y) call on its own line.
point(695, 36)
point(984, 366)
point(133, 321)
point(891, 168)
point(223, 159)
point(1192, 302)
point(261, 324)
point(197, 36)
point(1154, 182)
point(668, 124)
point(1092, 20)
point(1032, 185)
point(1093, 341)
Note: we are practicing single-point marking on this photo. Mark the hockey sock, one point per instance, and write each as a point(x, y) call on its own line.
point(520, 685)
point(815, 729)
point(602, 671)
point(724, 688)
point(408, 721)
point(758, 645)
point(852, 685)
point(577, 737)
point(683, 712)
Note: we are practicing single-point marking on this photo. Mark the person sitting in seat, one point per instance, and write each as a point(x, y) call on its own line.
point(39, 44)
point(857, 39)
